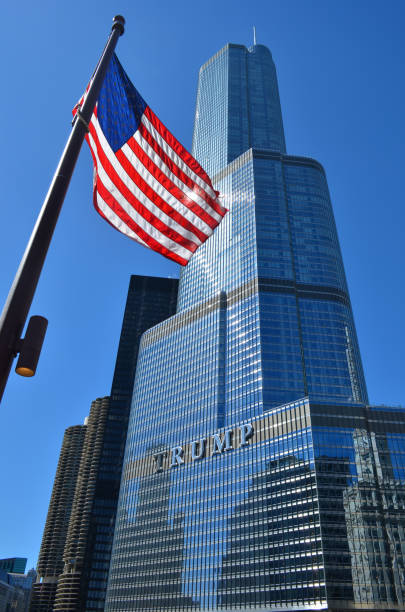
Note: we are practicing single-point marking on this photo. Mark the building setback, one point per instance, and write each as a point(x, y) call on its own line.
point(256, 475)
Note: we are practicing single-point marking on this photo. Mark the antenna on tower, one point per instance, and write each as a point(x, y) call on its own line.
point(254, 35)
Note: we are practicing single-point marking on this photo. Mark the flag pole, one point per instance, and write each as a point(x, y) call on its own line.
point(18, 303)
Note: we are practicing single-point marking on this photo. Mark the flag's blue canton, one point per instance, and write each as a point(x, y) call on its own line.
point(120, 106)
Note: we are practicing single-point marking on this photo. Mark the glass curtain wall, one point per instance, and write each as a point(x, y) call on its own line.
point(250, 457)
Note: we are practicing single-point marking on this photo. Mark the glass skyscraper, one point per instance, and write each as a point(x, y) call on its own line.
point(256, 476)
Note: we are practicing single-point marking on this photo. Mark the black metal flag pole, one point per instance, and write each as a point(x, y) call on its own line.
point(18, 303)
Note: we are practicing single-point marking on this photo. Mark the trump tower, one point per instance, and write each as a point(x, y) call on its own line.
point(256, 474)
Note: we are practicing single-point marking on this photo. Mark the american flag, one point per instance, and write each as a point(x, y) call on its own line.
point(146, 184)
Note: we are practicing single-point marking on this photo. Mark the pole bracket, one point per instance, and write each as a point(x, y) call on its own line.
point(79, 116)
point(18, 346)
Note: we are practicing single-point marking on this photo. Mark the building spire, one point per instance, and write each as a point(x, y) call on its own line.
point(254, 35)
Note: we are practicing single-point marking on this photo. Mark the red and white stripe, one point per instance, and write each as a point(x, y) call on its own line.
point(153, 190)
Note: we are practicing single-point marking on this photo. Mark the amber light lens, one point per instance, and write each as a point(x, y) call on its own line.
point(31, 346)
point(22, 371)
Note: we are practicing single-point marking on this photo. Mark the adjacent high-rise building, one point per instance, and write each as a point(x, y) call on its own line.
point(256, 476)
point(50, 561)
point(150, 300)
point(76, 547)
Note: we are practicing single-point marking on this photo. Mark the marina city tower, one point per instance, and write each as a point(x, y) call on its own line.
point(256, 476)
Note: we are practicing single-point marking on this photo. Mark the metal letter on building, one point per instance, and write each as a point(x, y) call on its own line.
point(177, 458)
point(246, 432)
point(201, 444)
point(222, 445)
point(158, 457)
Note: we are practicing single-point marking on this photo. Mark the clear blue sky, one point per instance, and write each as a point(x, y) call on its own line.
point(340, 67)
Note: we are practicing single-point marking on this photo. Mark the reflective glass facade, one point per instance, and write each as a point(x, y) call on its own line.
point(230, 497)
point(238, 106)
point(279, 243)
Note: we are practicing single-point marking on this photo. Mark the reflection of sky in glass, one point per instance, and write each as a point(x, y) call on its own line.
point(396, 446)
point(131, 499)
point(337, 444)
point(221, 264)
